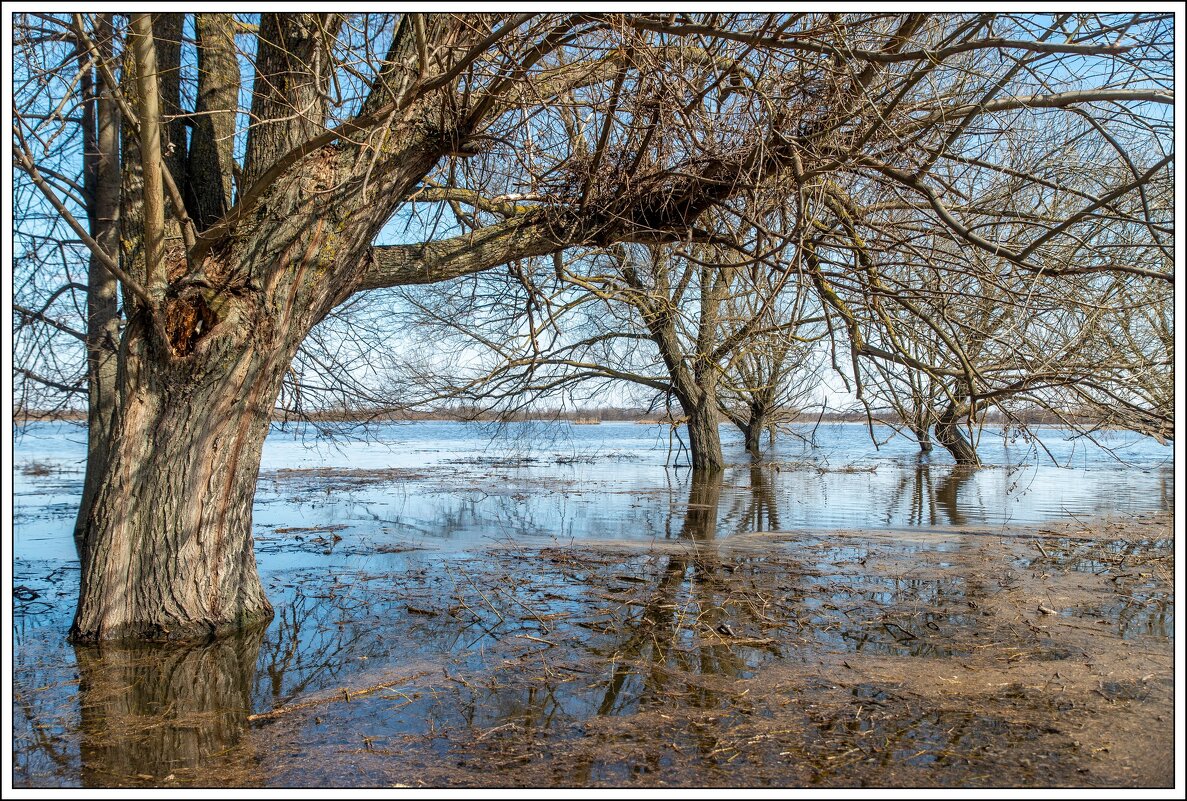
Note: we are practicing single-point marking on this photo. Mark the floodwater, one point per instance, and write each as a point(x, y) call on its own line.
point(464, 604)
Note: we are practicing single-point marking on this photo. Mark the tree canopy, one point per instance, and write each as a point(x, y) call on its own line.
point(983, 200)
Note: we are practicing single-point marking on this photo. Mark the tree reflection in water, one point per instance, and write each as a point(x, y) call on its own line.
point(931, 502)
point(676, 649)
point(537, 647)
point(165, 710)
point(694, 624)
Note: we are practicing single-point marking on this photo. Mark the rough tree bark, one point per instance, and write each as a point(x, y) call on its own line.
point(177, 560)
point(210, 154)
point(167, 530)
point(704, 433)
point(181, 468)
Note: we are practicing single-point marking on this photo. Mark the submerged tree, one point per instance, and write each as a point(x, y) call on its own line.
point(773, 373)
point(239, 172)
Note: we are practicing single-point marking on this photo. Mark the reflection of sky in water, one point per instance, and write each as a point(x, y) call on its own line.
point(363, 606)
point(566, 482)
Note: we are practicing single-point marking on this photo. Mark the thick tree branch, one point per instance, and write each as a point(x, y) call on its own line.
point(518, 238)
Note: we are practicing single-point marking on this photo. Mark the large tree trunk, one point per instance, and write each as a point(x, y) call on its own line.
point(168, 546)
point(167, 533)
point(704, 434)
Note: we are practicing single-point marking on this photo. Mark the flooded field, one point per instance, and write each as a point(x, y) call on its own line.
point(462, 606)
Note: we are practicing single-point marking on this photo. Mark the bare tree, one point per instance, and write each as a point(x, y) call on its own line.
point(774, 372)
point(959, 333)
point(673, 320)
point(557, 131)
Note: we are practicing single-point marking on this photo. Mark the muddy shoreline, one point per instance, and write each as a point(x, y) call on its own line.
point(962, 656)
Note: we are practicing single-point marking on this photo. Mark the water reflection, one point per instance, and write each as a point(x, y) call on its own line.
point(161, 713)
point(532, 644)
point(683, 626)
point(704, 498)
point(921, 498)
point(755, 508)
point(657, 624)
point(525, 504)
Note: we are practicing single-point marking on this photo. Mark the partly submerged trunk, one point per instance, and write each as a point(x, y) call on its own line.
point(923, 436)
point(753, 436)
point(167, 533)
point(753, 444)
point(950, 434)
point(753, 426)
point(752, 420)
point(704, 435)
